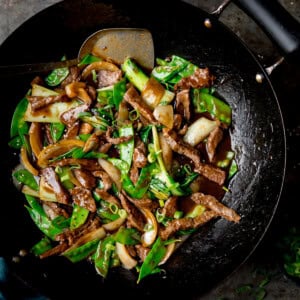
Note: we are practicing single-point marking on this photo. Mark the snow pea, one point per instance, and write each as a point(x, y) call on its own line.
point(34, 204)
point(79, 216)
point(205, 102)
point(57, 130)
point(88, 59)
point(25, 177)
point(79, 253)
point(119, 90)
point(57, 75)
point(18, 117)
point(127, 148)
point(104, 255)
point(154, 257)
point(127, 236)
point(43, 223)
point(41, 247)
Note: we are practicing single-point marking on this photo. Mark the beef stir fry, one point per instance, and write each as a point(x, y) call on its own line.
point(119, 165)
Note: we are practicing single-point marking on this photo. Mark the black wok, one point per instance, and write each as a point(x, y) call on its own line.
point(258, 138)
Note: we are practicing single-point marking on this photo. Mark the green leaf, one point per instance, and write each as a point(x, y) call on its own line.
point(25, 177)
point(154, 257)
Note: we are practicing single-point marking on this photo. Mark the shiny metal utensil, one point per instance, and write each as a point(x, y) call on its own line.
point(114, 44)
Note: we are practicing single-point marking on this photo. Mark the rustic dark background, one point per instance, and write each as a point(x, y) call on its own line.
point(263, 274)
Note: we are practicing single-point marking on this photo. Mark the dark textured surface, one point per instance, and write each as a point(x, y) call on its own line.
point(259, 140)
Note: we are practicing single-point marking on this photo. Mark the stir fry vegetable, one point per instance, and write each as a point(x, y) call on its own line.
point(119, 165)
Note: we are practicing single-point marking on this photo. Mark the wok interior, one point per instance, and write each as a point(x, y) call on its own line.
point(257, 137)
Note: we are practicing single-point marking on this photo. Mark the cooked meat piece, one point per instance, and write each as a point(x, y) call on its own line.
point(74, 75)
point(72, 131)
point(52, 180)
point(38, 102)
point(70, 116)
point(135, 217)
point(92, 92)
point(209, 171)
point(86, 163)
point(216, 206)
point(170, 206)
point(72, 236)
point(213, 140)
point(183, 104)
point(116, 141)
point(142, 251)
point(142, 203)
point(186, 223)
point(85, 178)
point(104, 148)
point(107, 197)
point(134, 99)
point(60, 248)
point(212, 173)
point(139, 155)
point(107, 78)
point(105, 178)
point(181, 147)
point(201, 78)
point(92, 143)
point(174, 226)
point(54, 209)
point(204, 218)
point(178, 125)
point(83, 197)
point(48, 133)
point(134, 173)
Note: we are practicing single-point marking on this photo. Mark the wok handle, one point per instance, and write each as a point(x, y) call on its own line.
point(277, 23)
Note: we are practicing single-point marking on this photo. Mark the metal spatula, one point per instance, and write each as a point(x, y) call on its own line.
point(114, 44)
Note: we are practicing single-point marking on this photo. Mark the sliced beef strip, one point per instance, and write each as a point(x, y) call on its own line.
point(74, 75)
point(174, 226)
point(105, 178)
point(170, 206)
point(52, 180)
point(70, 116)
point(183, 104)
point(107, 78)
point(142, 203)
point(207, 170)
point(116, 141)
point(213, 140)
point(181, 147)
point(85, 178)
point(83, 197)
point(201, 78)
point(38, 102)
point(212, 173)
point(142, 251)
point(134, 99)
point(186, 223)
point(86, 163)
point(139, 155)
point(71, 236)
point(54, 209)
point(72, 131)
point(58, 249)
point(135, 217)
point(107, 197)
point(213, 204)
